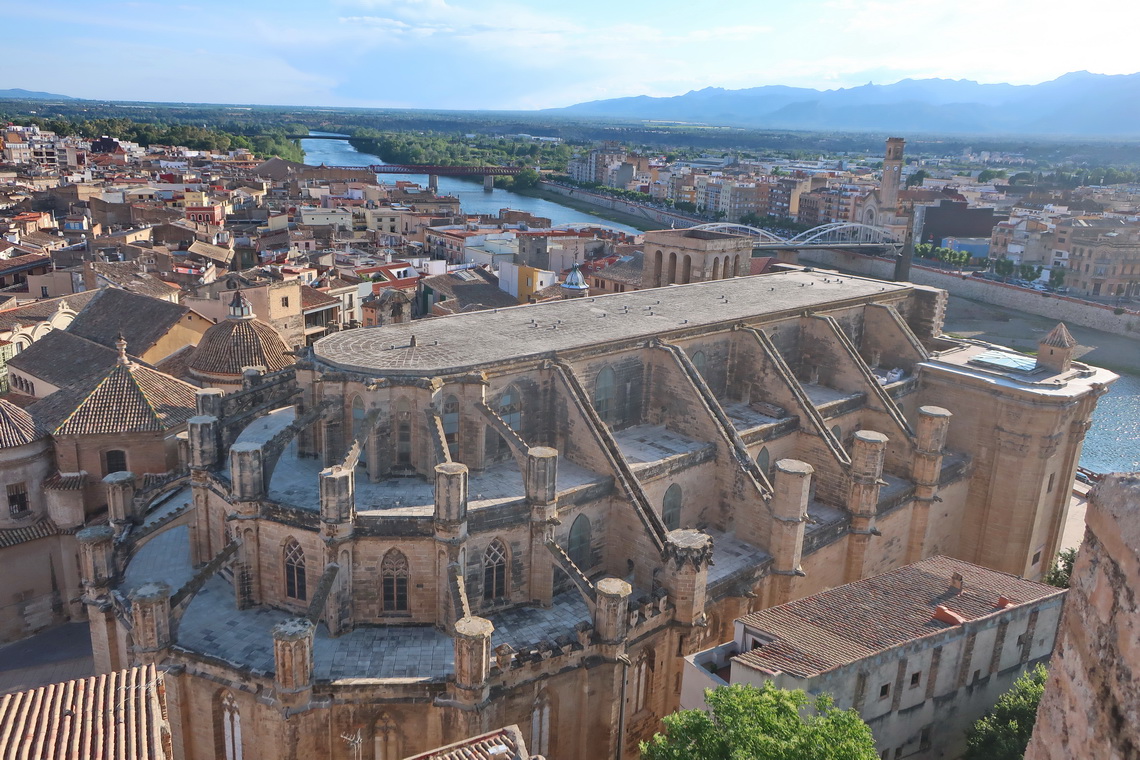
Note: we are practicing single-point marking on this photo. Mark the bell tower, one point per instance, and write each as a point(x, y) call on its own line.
point(892, 173)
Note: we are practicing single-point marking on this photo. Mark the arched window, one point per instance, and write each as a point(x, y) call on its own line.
point(700, 362)
point(578, 547)
point(658, 260)
point(764, 461)
point(605, 396)
point(510, 408)
point(115, 460)
point(386, 739)
point(231, 727)
point(837, 431)
point(642, 680)
point(295, 587)
point(687, 269)
point(495, 571)
point(403, 432)
point(540, 726)
point(357, 418)
point(671, 507)
point(672, 269)
point(451, 426)
point(394, 579)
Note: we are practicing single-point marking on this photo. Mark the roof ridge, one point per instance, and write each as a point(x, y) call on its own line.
point(85, 399)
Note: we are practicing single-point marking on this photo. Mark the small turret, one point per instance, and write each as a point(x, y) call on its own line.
point(1055, 350)
point(575, 285)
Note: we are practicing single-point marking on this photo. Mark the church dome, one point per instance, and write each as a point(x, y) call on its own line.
point(17, 427)
point(237, 342)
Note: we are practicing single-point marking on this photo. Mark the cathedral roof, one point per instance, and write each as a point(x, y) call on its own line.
point(128, 398)
point(17, 427)
point(1059, 337)
point(234, 343)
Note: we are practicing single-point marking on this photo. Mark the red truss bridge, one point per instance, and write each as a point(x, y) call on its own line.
point(488, 173)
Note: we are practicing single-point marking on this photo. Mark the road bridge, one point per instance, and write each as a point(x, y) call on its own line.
point(845, 235)
point(434, 172)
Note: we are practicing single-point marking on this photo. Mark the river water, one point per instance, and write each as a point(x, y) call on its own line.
point(470, 193)
point(1112, 445)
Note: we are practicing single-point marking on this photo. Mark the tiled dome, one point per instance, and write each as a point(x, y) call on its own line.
point(232, 344)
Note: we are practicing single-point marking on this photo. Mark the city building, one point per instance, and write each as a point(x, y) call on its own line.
point(1105, 261)
point(519, 515)
point(920, 652)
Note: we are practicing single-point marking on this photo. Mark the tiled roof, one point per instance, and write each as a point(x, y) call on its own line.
point(128, 398)
point(628, 272)
point(16, 426)
point(861, 619)
point(71, 481)
point(504, 744)
point(1059, 337)
point(311, 298)
point(126, 275)
point(118, 715)
point(62, 358)
point(38, 311)
point(22, 263)
point(212, 252)
point(230, 345)
point(469, 288)
point(140, 319)
point(41, 528)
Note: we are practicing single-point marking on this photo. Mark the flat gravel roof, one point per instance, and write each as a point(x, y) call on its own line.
point(461, 342)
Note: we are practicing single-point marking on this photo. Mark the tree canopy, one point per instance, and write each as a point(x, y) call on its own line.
point(1003, 732)
point(766, 723)
point(1061, 573)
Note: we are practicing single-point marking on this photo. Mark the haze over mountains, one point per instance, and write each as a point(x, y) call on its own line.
point(1078, 103)
point(18, 94)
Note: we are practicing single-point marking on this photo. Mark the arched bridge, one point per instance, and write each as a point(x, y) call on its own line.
point(836, 234)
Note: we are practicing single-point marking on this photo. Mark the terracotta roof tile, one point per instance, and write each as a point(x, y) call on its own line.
point(311, 298)
point(17, 427)
point(114, 715)
point(230, 345)
point(861, 619)
point(503, 744)
point(63, 358)
point(41, 528)
point(1059, 337)
point(142, 320)
point(39, 311)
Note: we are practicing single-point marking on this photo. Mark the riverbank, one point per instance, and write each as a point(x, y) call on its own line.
point(589, 208)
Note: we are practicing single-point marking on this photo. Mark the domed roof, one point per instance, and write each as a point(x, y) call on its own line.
point(16, 426)
point(232, 344)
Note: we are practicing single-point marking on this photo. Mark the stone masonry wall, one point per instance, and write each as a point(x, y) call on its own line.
point(1092, 700)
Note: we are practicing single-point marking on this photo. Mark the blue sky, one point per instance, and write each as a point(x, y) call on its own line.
point(511, 54)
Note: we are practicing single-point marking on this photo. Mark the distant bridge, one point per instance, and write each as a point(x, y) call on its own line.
point(434, 172)
point(834, 235)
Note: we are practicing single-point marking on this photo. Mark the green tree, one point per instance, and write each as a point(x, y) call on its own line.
point(1062, 572)
point(1057, 277)
point(1003, 732)
point(987, 174)
point(1029, 271)
point(766, 723)
point(917, 178)
point(1004, 267)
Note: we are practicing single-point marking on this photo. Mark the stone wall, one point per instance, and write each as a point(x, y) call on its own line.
point(1093, 695)
point(1062, 308)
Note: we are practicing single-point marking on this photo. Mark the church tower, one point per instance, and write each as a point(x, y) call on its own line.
point(892, 173)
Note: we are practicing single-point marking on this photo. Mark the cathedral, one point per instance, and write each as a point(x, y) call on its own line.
point(422, 532)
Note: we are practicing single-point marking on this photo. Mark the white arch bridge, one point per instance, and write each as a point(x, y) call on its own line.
point(836, 234)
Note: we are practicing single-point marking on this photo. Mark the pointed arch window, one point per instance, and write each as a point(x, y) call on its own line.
point(357, 418)
point(451, 426)
point(764, 461)
point(495, 571)
point(386, 739)
point(394, 580)
point(403, 432)
point(605, 395)
point(540, 726)
point(231, 728)
point(642, 685)
point(700, 362)
point(671, 507)
point(294, 557)
point(578, 547)
point(510, 408)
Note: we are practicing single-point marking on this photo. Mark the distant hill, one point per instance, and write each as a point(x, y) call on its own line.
point(1078, 103)
point(18, 94)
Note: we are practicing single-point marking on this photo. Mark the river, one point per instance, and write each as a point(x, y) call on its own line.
point(1112, 445)
point(470, 193)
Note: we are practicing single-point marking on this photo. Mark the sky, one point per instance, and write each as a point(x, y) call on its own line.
point(513, 54)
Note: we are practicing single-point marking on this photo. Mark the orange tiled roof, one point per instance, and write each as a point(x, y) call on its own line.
point(17, 426)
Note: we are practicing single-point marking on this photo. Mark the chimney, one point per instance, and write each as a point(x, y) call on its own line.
point(956, 582)
point(945, 615)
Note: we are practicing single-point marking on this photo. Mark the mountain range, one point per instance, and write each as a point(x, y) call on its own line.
point(1075, 104)
point(18, 94)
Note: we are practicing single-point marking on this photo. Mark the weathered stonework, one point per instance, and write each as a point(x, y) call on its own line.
point(1091, 706)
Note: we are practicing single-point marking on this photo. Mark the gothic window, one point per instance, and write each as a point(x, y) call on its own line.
point(394, 578)
point(764, 461)
point(642, 681)
point(838, 433)
point(540, 726)
point(451, 426)
point(295, 587)
point(114, 460)
point(231, 728)
point(578, 547)
point(357, 418)
point(495, 571)
point(605, 396)
point(403, 432)
point(510, 408)
point(700, 362)
point(671, 507)
point(386, 739)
